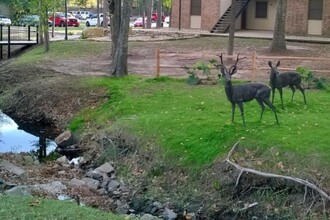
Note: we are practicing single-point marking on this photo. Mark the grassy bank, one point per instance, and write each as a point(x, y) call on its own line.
point(193, 126)
point(12, 207)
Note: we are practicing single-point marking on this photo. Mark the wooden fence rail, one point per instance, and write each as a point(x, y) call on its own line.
point(254, 60)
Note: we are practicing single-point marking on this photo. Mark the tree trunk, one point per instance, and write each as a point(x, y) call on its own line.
point(105, 13)
point(98, 12)
point(232, 28)
point(278, 42)
point(149, 6)
point(159, 13)
point(119, 33)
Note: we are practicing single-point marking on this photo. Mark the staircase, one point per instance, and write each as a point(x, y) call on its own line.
point(222, 26)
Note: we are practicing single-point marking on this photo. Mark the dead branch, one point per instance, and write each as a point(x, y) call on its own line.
point(272, 175)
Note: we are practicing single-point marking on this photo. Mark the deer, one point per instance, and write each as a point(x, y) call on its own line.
point(238, 94)
point(280, 80)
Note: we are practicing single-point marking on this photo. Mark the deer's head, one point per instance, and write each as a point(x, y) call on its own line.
point(274, 71)
point(224, 71)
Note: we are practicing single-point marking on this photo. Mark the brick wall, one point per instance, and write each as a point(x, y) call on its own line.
point(210, 13)
point(297, 15)
point(326, 18)
point(185, 14)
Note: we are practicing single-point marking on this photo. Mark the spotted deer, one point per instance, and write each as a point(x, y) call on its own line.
point(280, 80)
point(238, 94)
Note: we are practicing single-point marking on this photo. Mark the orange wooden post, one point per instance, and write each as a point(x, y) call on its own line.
point(254, 66)
point(157, 62)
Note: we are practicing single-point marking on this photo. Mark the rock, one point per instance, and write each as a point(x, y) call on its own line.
point(190, 216)
point(12, 168)
point(149, 217)
point(122, 208)
point(62, 160)
point(95, 175)
point(65, 139)
point(91, 183)
point(76, 182)
point(168, 214)
point(28, 160)
point(94, 32)
point(19, 191)
point(105, 168)
point(113, 185)
point(62, 172)
point(54, 188)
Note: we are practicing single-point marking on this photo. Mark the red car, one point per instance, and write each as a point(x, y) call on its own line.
point(154, 17)
point(60, 20)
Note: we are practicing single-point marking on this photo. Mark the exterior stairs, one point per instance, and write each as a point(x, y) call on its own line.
point(222, 26)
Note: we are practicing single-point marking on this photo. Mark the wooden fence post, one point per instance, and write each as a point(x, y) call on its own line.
point(157, 62)
point(254, 66)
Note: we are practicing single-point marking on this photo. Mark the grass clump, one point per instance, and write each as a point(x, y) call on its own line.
point(39, 208)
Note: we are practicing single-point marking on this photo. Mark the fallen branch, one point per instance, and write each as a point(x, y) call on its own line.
point(271, 175)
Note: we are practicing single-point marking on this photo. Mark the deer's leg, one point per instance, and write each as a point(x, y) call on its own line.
point(262, 107)
point(302, 90)
point(272, 107)
point(232, 112)
point(293, 91)
point(273, 94)
point(281, 95)
point(241, 108)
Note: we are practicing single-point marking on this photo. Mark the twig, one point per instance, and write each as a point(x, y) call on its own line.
point(249, 206)
point(272, 175)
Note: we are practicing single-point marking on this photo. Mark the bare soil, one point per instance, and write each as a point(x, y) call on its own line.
point(50, 94)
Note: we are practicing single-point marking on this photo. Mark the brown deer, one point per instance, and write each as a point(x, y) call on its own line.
point(279, 80)
point(238, 94)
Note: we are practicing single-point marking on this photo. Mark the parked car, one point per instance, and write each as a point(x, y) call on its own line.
point(84, 14)
point(166, 22)
point(60, 20)
point(31, 20)
point(4, 20)
point(154, 17)
point(139, 22)
point(92, 21)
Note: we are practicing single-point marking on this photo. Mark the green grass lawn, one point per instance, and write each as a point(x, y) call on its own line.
point(193, 125)
point(39, 208)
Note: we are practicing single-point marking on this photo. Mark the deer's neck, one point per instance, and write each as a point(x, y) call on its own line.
point(229, 90)
point(273, 78)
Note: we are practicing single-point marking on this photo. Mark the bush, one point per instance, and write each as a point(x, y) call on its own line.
point(310, 80)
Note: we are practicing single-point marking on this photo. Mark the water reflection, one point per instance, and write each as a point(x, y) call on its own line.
point(13, 139)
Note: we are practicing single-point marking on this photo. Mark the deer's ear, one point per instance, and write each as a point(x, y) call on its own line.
point(278, 64)
point(270, 64)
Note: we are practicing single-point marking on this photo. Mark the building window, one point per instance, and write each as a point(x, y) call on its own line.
point(196, 7)
point(261, 9)
point(315, 9)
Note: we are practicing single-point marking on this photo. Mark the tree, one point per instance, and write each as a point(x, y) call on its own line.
point(120, 18)
point(278, 42)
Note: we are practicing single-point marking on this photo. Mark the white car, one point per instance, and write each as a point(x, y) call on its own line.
point(4, 20)
point(166, 22)
point(93, 20)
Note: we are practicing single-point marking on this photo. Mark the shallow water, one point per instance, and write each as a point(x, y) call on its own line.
point(13, 139)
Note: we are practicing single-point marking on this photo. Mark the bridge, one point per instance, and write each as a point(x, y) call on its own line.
point(16, 35)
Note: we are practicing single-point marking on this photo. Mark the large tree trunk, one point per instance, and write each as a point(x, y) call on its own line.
point(105, 13)
point(149, 9)
point(119, 35)
point(278, 42)
point(232, 28)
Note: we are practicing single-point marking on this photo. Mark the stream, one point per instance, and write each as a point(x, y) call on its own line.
point(13, 139)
